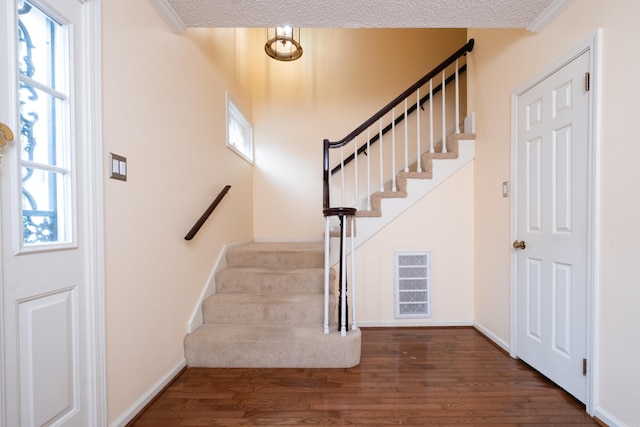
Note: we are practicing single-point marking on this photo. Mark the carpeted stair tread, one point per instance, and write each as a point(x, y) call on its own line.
point(297, 308)
point(269, 280)
point(271, 346)
point(427, 159)
point(277, 255)
point(268, 311)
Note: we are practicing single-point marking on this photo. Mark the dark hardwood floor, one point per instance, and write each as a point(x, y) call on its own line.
point(408, 376)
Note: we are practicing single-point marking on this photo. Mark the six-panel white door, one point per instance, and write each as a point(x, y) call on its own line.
point(552, 219)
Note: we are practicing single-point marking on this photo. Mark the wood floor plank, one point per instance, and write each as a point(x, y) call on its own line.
point(407, 376)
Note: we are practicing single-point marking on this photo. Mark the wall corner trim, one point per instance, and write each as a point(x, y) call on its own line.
point(547, 16)
point(166, 12)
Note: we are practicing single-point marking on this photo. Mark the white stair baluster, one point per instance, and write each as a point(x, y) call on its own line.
point(343, 276)
point(406, 137)
point(355, 166)
point(330, 183)
point(444, 116)
point(342, 188)
point(368, 169)
point(381, 157)
point(418, 152)
point(393, 149)
point(354, 325)
point(431, 116)
point(457, 101)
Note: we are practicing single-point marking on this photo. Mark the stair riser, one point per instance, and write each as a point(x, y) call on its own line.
point(263, 281)
point(326, 351)
point(290, 260)
point(269, 313)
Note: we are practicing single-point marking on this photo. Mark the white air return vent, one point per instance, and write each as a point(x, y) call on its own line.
point(413, 284)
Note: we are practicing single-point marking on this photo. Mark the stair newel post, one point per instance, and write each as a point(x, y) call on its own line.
point(457, 100)
point(444, 114)
point(343, 214)
point(326, 187)
point(326, 201)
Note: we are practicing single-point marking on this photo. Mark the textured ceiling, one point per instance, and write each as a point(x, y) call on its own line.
point(366, 13)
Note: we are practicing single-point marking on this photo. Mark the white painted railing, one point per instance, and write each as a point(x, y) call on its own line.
point(390, 149)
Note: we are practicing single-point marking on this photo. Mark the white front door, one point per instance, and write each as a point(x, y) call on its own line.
point(551, 225)
point(46, 315)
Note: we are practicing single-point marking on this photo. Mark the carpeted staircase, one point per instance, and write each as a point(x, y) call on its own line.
point(426, 159)
point(268, 312)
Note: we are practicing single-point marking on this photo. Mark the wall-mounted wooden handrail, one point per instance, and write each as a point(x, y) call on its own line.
point(196, 227)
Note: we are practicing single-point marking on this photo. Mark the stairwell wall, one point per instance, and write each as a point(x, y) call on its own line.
point(343, 77)
point(442, 223)
point(164, 109)
point(505, 59)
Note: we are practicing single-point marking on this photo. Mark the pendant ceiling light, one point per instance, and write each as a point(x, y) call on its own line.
point(283, 43)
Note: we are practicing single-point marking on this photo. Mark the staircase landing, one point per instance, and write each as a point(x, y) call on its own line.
point(268, 313)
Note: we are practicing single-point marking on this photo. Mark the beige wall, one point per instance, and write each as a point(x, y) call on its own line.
point(506, 59)
point(164, 109)
point(343, 77)
point(442, 223)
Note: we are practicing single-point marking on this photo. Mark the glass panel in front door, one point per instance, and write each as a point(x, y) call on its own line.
point(45, 128)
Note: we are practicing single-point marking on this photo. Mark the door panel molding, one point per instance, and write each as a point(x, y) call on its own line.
point(593, 46)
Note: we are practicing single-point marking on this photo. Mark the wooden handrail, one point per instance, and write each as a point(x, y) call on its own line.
point(327, 145)
point(196, 227)
point(462, 51)
point(398, 120)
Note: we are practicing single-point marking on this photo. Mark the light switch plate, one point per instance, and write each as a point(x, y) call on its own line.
point(505, 189)
point(117, 167)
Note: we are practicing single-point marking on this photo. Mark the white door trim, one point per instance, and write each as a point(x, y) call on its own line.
point(592, 45)
point(93, 164)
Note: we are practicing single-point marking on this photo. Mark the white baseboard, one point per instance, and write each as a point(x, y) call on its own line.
point(399, 323)
point(493, 337)
point(609, 419)
point(144, 400)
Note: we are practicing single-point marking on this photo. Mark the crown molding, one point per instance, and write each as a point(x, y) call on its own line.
point(169, 15)
point(549, 14)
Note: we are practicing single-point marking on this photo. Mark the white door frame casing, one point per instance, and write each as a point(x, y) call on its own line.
point(94, 171)
point(92, 164)
point(591, 45)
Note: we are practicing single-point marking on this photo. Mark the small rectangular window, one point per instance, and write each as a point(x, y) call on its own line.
point(239, 132)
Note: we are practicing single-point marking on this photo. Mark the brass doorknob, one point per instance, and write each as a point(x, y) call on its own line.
point(519, 244)
point(5, 135)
